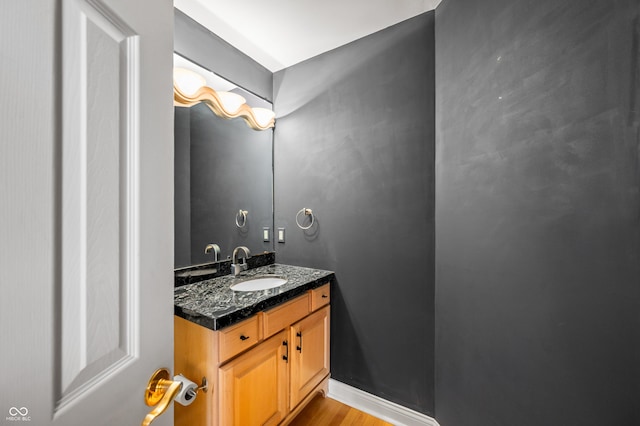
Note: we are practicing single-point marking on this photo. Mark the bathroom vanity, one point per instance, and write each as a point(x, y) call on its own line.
point(264, 353)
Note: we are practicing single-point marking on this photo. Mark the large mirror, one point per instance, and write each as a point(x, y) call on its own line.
point(223, 178)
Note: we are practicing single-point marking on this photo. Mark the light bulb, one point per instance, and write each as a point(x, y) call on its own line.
point(264, 116)
point(189, 82)
point(231, 102)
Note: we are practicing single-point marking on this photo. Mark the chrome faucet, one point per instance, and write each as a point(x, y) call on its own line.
point(236, 267)
point(216, 251)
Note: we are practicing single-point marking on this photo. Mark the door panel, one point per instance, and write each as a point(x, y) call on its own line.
point(309, 354)
point(253, 386)
point(99, 236)
point(88, 240)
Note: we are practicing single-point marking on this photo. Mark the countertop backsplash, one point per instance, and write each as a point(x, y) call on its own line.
point(205, 271)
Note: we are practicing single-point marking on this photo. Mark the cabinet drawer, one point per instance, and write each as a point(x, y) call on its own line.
point(284, 315)
point(320, 296)
point(237, 338)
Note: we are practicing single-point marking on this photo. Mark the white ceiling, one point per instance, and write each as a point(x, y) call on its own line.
point(281, 33)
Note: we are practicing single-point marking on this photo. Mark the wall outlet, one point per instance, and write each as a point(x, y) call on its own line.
point(281, 235)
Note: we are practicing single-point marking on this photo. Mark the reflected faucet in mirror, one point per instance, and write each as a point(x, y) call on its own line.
point(236, 267)
point(215, 249)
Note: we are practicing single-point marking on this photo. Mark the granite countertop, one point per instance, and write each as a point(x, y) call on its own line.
point(212, 304)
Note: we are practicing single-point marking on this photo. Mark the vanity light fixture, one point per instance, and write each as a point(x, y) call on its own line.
point(264, 116)
point(189, 89)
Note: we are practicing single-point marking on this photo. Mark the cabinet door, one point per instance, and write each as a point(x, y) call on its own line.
point(253, 387)
point(309, 354)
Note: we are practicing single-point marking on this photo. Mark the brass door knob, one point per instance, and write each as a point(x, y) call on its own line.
point(161, 390)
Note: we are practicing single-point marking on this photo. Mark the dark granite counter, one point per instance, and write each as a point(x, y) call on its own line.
point(212, 304)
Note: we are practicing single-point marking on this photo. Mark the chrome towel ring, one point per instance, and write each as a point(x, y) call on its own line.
point(307, 212)
point(241, 218)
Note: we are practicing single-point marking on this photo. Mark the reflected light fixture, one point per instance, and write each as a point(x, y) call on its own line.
point(231, 102)
point(264, 116)
point(188, 81)
point(189, 88)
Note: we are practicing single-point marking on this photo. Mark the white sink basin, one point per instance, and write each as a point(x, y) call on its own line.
point(257, 284)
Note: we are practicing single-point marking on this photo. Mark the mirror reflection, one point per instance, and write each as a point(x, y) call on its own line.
point(223, 179)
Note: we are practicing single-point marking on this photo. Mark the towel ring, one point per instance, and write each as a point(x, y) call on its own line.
point(307, 212)
point(241, 216)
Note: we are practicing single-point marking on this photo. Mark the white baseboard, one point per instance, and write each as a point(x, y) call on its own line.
point(378, 407)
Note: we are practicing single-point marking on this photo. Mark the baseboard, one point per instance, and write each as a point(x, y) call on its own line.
point(378, 407)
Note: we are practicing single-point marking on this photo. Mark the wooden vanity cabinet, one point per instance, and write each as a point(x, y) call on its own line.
point(253, 387)
point(319, 297)
point(261, 371)
point(309, 354)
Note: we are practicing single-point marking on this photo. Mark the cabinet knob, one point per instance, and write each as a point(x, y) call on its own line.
point(324, 296)
point(243, 337)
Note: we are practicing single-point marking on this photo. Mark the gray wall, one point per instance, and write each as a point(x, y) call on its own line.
point(354, 141)
point(537, 213)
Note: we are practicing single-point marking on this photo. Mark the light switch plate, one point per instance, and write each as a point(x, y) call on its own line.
point(265, 234)
point(281, 235)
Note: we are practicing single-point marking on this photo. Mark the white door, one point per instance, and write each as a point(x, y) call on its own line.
point(86, 209)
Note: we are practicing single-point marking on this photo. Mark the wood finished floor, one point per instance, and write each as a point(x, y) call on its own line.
point(327, 411)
